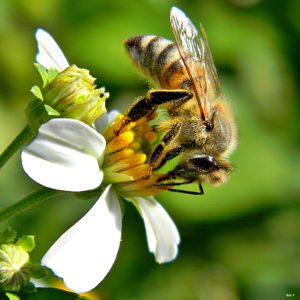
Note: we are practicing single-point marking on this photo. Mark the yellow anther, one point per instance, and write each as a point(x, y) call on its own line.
point(119, 142)
point(130, 125)
point(142, 187)
point(128, 163)
point(110, 131)
point(118, 178)
point(134, 160)
point(135, 146)
point(138, 172)
point(117, 156)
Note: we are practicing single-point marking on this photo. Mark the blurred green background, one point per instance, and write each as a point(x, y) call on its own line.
point(239, 241)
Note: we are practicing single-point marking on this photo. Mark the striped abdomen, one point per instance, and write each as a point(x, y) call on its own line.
point(159, 59)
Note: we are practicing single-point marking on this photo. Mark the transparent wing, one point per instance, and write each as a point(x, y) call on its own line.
point(210, 67)
point(197, 58)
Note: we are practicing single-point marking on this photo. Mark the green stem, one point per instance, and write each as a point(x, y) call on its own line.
point(28, 202)
point(22, 138)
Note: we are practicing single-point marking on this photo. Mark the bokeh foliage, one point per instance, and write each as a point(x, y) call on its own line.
point(239, 241)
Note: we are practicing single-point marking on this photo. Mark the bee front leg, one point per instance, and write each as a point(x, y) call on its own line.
point(166, 140)
point(169, 155)
point(145, 106)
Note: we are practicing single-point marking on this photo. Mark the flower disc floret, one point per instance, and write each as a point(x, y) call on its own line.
point(127, 154)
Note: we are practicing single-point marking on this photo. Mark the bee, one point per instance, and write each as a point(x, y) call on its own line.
point(200, 125)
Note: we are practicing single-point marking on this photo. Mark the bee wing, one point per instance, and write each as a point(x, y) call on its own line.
point(197, 58)
point(211, 71)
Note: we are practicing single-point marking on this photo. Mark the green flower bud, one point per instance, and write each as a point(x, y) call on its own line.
point(72, 93)
point(67, 94)
point(14, 267)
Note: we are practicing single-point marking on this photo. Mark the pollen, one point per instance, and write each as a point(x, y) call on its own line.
point(119, 142)
point(135, 145)
point(138, 172)
point(141, 187)
point(115, 157)
point(126, 161)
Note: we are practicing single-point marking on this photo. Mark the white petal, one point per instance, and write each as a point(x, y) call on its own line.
point(112, 115)
point(65, 155)
point(162, 234)
point(49, 55)
point(84, 254)
point(104, 119)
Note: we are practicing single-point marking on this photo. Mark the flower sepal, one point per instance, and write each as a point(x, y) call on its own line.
point(47, 75)
point(38, 111)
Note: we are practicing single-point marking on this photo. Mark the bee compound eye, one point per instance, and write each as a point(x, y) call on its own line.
point(204, 164)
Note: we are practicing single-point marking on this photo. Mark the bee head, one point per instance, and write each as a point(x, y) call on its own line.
point(209, 169)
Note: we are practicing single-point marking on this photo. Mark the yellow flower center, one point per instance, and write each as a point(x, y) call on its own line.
point(126, 161)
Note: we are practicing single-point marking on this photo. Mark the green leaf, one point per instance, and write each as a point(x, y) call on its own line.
point(51, 111)
point(43, 72)
point(26, 242)
point(36, 91)
point(52, 294)
point(7, 236)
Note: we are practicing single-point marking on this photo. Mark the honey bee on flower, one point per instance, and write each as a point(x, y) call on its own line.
point(199, 127)
point(122, 156)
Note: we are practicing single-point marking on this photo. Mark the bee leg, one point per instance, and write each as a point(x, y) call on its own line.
point(174, 183)
point(175, 173)
point(158, 97)
point(169, 155)
point(186, 192)
point(166, 140)
point(201, 191)
point(140, 109)
point(144, 106)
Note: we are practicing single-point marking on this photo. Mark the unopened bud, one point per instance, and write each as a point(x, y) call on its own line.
point(74, 95)
point(71, 93)
point(14, 268)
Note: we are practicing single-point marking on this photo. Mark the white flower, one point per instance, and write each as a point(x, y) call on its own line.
point(67, 155)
